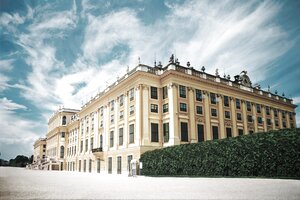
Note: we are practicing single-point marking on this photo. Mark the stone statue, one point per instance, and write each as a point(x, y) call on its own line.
point(203, 69)
point(188, 64)
point(171, 59)
point(217, 72)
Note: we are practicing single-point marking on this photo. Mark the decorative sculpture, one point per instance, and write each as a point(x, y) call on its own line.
point(188, 64)
point(171, 59)
point(217, 72)
point(203, 69)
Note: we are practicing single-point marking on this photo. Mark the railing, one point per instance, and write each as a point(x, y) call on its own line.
point(97, 150)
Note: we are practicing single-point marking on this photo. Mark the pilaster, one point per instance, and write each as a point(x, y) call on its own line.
point(221, 117)
point(173, 111)
point(207, 115)
point(192, 115)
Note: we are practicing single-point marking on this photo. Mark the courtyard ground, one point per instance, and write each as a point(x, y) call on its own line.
point(18, 183)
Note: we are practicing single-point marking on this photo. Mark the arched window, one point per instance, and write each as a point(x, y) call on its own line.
point(64, 120)
point(62, 151)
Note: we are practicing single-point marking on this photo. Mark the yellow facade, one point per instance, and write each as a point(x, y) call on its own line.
point(155, 107)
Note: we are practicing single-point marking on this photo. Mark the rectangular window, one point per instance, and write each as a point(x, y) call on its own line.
point(259, 120)
point(131, 110)
point(98, 165)
point(86, 145)
point(79, 166)
point(239, 116)
point(166, 132)
point(249, 118)
point(120, 136)
point(131, 133)
point(200, 129)
point(276, 123)
point(182, 107)
point(165, 108)
point(111, 139)
point(93, 122)
point(112, 119)
point(110, 165)
point(121, 100)
point(199, 110)
point(184, 132)
point(84, 166)
point(269, 122)
point(284, 124)
point(153, 92)
point(228, 132)
point(258, 108)
point(112, 105)
point(238, 103)
point(226, 101)
point(214, 112)
point(154, 132)
point(131, 94)
point(165, 92)
point(227, 114)
point(154, 108)
point(101, 124)
point(198, 95)
point(92, 143)
point(291, 116)
point(267, 110)
point(90, 165)
point(248, 106)
point(121, 114)
point(81, 146)
point(129, 158)
point(213, 98)
point(119, 164)
point(215, 131)
point(101, 111)
point(275, 113)
point(182, 91)
point(283, 115)
point(240, 131)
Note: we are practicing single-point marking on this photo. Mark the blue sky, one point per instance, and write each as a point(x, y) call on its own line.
point(55, 53)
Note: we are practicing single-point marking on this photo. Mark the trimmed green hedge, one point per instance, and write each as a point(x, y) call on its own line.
point(271, 154)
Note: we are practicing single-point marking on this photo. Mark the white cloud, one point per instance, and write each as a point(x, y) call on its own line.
point(5, 66)
point(7, 104)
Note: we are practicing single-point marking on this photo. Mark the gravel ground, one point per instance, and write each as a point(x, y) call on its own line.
point(17, 183)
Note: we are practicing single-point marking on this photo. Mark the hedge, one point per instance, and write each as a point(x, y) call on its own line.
point(270, 154)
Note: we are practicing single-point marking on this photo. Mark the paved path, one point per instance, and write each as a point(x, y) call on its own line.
point(17, 183)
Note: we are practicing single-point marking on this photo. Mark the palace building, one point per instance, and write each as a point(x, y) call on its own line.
point(156, 107)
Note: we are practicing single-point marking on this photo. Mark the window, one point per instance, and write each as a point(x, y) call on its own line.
point(275, 113)
point(62, 134)
point(79, 167)
point(200, 129)
point(121, 114)
point(267, 110)
point(131, 94)
point(112, 119)
point(165, 92)
point(183, 107)
point(182, 91)
point(291, 116)
point(86, 145)
point(215, 131)
point(199, 110)
point(153, 92)
point(131, 133)
point(226, 101)
point(90, 165)
point(240, 131)
point(259, 120)
point(248, 106)
point(276, 123)
point(166, 132)
point(120, 136)
point(131, 110)
point(119, 164)
point(269, 122)
point(111, 139)
point(112, 105)
point(284, 124)
point(228, 132)
point(258, 110)
point(121, 100)
point(283, 115)
point(92, 142)
point(98, 165)
point(84, 166)
point(129, 158)
point(292, 125)
point(101, 124)
point(154, 132)
point(101, 111)
point(214, 112)
point(81, 146)
point(166, 108)
point(184, 132)
point(213, 98)
point(227, 114)
point(239, 116)
point(64, 120)
point(249, 118)
point(237, 103)
point(198, 95)
point(93, 122)
point(101, 141)
point(154, 108)
point(110, 165)
point(62, 151)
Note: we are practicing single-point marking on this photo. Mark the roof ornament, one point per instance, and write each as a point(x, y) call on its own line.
point(159, 64)
point(127, 70)
point(203, 69)
point(224, 76)
point(171, 59)
point(188, 64)
point(269, 88)
point(276, 92)
point(177, 62)
point(154, 63)
point(228, 77)
point(283, 94)
point(217, 72)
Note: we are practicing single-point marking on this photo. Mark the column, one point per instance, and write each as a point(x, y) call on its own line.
point(263, 108)
point(273, 118)
point(137, 115)
point(106, 123)
point(245, 120)
point(96, 130)
point(207, 115)
point(221, 117)
point(192, 120)
point(255, 117)
point(145, 105)
point(125, 131)
point(233, 117)
point(288, 123)
point(280, 118)
point(116, 129)
point(173, 111)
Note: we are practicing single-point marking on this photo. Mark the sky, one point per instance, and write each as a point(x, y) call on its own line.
point(61, 53)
